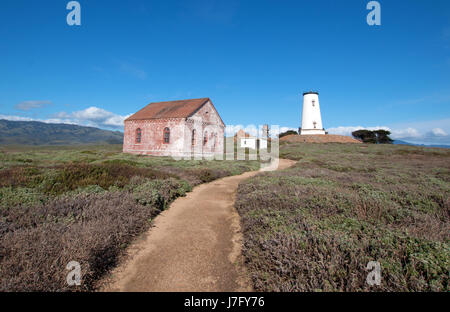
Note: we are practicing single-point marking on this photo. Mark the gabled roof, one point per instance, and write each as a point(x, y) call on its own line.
point(171, 109)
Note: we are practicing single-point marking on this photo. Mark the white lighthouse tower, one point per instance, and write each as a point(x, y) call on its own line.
point(311, 118)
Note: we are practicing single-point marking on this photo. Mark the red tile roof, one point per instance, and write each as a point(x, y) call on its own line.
point(171, 109)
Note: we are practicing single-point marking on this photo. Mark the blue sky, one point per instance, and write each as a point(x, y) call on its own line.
point(252, 58)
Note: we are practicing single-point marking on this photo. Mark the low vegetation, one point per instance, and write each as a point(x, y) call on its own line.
point(84, 204)
point(375, 137)
point(316, 226)
point(286, 133)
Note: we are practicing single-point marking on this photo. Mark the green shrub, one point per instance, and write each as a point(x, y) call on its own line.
point(10, 196)
point(104, 175)
point(159, 193)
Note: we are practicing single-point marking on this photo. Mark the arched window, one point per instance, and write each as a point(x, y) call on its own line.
point(193, 137)
point(205, 138)
point(138, 135)
point(166, 135)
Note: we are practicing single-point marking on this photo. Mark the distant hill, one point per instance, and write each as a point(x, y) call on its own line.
point(40, 133)
point(422, 145)
point(402, 142)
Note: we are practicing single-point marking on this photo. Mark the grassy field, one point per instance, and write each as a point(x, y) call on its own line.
point(85, 204)
point(316, 226)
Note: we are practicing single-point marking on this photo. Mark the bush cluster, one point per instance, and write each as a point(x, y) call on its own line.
point(375, 137)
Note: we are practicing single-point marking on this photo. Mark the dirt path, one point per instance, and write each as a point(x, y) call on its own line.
point(193, 246)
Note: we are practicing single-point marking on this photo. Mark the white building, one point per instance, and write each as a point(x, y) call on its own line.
point(248, 143)
point(311, 117)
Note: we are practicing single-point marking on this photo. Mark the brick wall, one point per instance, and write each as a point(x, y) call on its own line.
point(205, 121)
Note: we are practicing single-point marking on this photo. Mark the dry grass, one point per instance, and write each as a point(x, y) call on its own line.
point(314, 227)
point(84, 204)
point(328, 138)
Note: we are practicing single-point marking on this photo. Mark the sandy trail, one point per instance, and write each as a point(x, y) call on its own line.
point(195, 245)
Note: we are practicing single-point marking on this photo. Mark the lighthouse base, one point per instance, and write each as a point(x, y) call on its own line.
point(311, 131)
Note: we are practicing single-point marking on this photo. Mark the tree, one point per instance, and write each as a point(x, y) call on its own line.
point(289, 132)
point(374, 137)
point(383, 137)
point(366, 136)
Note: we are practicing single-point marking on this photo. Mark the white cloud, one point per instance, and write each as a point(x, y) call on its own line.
point(49, 120)
point(349, 129)
point(405, 133)
point(255, 130)
point(92, 117)
point(420, 132)
point(424, 132)
point(116, 121)
point(231, 130)
point(395, 133)
point(91, 113)
point(28, 105)
point(15, 118)
point(438, 132)
point(284, 129)
point(275, 131)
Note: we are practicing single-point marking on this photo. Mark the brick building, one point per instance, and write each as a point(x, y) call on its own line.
point(175, 128)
